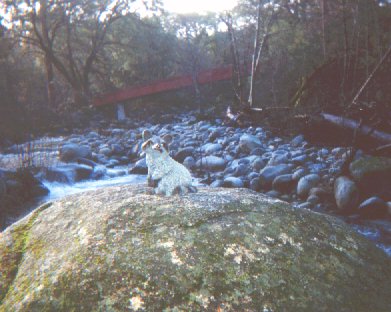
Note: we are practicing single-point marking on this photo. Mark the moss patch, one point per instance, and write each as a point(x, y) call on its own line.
point(12, 251)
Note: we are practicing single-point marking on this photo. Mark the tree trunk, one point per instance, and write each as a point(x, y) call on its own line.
point(347, 123)
point(50, 82)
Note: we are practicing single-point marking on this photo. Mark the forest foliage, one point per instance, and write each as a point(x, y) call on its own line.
point(56, 55)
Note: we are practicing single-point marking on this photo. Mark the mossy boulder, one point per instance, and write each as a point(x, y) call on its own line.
point(120, 249)
point(373, 176)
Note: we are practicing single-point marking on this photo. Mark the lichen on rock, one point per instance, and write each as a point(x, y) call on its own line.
point(119, 249)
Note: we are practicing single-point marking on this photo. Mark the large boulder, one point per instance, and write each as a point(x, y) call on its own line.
point(372, 175)
point(119, 249)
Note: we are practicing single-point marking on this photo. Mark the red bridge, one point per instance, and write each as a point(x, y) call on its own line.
point(173, 83)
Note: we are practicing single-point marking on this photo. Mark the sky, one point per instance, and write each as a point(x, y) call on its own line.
point(189, 6)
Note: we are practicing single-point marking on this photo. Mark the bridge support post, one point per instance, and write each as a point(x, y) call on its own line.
point(121, 115)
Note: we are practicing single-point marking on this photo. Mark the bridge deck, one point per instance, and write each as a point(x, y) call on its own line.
point(173, 83)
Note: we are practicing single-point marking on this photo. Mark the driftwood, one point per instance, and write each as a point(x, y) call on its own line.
point(347, 123)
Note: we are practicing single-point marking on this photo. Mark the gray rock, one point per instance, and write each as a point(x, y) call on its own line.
point(211, 148)
point(70, 152)
point(249, 142)
point(373, 208)
point(183, 153)
point(313, 200)
point(140, 167)
point(252, 175)
point(299, 160)
point(299, 173)
point(217, 183)
point(233, 182)
point(255, 184)
point(112, 163)
point(306, 183)
point(212, 163)
point(346, 194)
point(297, 141)
point(373, 176)
point(189, 162)
point(117, 149)
point(82, 172)
point(278, 158)
point(258, 163)
point(241, 170)
point(105, 151)
point(117, 131)
point(257, 151)
point(93, 135)
point(269, 173)
point(284, 183)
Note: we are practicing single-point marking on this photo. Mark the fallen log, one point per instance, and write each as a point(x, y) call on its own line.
point(346, 123)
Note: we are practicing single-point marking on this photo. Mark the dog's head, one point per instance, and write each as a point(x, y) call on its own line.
point(156, 145)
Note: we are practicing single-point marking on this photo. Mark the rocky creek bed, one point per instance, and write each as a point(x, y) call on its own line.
point(292, 170)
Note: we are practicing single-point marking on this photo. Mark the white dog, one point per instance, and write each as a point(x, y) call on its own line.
point(171, 176)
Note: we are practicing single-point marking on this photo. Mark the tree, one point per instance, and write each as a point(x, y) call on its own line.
point(70, 34)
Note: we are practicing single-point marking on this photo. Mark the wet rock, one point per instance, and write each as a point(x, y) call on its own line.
point(217, 183)
point(241, 170)
point(71, 152)
point(269, 173)
point(299, 173)
point(189, 162)
point(106, 151)
point(257, 151)
point(299, 160)
point(211, 148)
point(278, 158)
point(233, 182)
point(321, 193)
point(346, 194)
point(373, 208)
point(212, 163)
point(255, 184)
point(297, 141)
point(183, 153)
point(82, 172)
point(284, 183)
point(372, 175)
point(313, 200)
point(140, 167)
point(258, 163)
point(249, 142)
point(306, 183)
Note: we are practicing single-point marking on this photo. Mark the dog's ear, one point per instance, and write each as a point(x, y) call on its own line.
point(146, 144)
point(167, 139)
point(146, 135)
